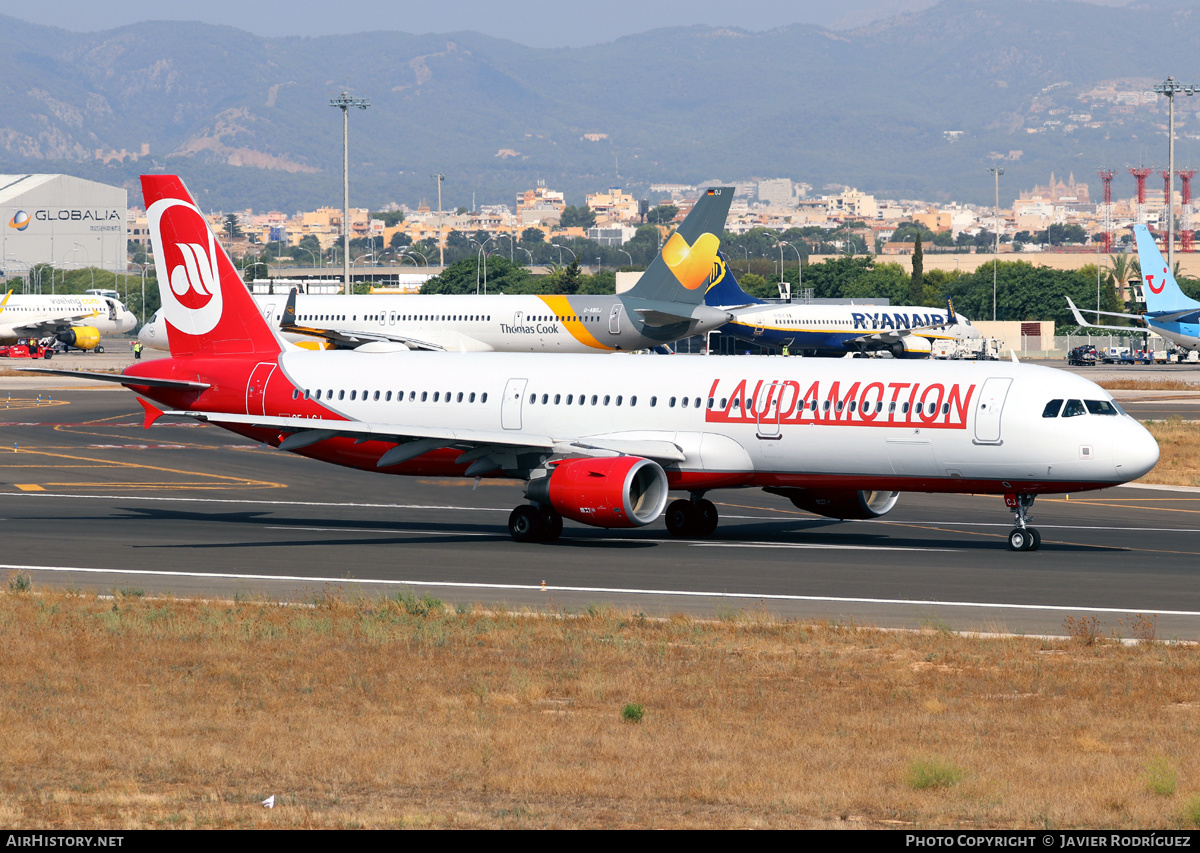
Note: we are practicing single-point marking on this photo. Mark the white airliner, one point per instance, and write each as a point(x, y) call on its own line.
point(665, 305)
point(77, 321)
point(602, 441)
point(833, 330)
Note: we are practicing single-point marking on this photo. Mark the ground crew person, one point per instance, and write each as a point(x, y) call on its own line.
point(137, 350)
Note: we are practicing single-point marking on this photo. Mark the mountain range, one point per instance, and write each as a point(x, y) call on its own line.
point(916, 106)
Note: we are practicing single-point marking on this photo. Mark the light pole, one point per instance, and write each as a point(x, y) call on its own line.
point(344, 101)
point(996, 253)
point(440, 178)
point(1169, 87)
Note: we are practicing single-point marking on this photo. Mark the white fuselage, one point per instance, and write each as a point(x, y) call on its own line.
point(501, 323)
point(787, 422)
point(40, 316)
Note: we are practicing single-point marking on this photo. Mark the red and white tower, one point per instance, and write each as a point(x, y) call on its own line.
point(1186, 233)
point(1140, 174)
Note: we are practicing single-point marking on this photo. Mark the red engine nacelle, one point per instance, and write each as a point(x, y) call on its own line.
point(611, 491)
point(853, 504)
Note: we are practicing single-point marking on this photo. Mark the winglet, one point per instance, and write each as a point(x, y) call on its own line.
point(153, 413)
point(1013, 353)
point(288, 321)
point(951, 314)
point(5, 302)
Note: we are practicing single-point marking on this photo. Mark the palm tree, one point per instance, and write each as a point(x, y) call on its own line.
point(1124, 268)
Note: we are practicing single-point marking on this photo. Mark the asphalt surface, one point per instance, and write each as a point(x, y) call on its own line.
point(90, 499)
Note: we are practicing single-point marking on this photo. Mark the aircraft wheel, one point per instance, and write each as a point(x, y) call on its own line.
point(681, 518)
point(1022, 539)
point(1035, 537)
point(100, 349)
point(707, 518)
point(527, 524)
point(554, 524)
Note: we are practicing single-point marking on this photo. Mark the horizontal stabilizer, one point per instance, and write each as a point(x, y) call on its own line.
point(121, 378)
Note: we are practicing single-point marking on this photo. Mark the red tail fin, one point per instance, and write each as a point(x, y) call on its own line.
point(207, 309)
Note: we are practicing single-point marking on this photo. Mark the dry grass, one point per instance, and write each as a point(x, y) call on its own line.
point(1179, 453)
point(132, 713)
point(1148, 385)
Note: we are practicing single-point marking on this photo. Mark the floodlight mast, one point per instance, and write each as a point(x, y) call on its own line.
point(345, 101)
point(1170, 87)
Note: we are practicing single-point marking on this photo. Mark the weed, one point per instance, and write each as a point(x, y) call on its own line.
point(633, 713)
point(1191, 813)
point(1161, 777)
point(414, 606)
point(1085, 629)
point(131, 592)
point(933, 774)
point(1141, 627)
point(19, 581)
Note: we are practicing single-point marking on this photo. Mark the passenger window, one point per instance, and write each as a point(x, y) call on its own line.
point(458, 399)
point(606, 399)
point(671, 403)
point(471, 399)
point(685, 402)
point(633, 400)
point(424, 396)
point(483, 399)
point(1074, 408)
point(594, 398)
point(653, 402)
point(1051, 410)
point(1101, 407)
point(570, 399)
point(342, 394)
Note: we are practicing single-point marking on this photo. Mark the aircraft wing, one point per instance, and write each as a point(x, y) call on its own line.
point(487, 450)
point(1187, 315)
point(1082, 322)
point(51, 325)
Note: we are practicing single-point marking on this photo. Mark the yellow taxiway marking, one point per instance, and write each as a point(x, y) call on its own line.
point(12, 403)
point(29, 487)
point(206, 480)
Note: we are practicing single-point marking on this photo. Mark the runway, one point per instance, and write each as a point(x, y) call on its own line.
point(90, 499)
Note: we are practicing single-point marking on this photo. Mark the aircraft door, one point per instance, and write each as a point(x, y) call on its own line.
point(510, 407)
point(268, 312)
point(112, 310)
point(614, 320)
point(767, 410)
point(991, 406)
point(256, 388)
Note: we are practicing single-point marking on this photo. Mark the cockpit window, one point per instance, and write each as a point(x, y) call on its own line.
point(1051, 410)
point(1073, 408)
point(1101, 407)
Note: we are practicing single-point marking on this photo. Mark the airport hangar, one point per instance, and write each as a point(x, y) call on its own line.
point(63, 221)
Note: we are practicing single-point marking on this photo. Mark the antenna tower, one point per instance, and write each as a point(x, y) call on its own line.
point(1186, 235)
point(1140, 174)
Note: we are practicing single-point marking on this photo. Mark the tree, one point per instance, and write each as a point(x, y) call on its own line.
point(391, 218)
point(461, 276)
point(578, 217)
point(533, 235)
point(662, 214)
point(231, 226)
point(917, 284)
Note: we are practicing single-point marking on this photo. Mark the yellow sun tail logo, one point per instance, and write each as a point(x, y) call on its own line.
point(691, 265)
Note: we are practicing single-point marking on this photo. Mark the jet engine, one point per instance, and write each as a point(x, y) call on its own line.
point(912, 346)
point(845, 504)
point(80, 337)
point(609, 491)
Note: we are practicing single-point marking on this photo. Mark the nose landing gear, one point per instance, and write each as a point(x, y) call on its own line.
point(1022, 537)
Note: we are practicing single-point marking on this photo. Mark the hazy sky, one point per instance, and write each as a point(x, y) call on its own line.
point(542, 23)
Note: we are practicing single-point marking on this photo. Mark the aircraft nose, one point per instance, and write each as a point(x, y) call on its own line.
point(1135, 452)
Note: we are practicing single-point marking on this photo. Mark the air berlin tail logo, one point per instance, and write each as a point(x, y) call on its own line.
point(192, 300)
point(195, 280)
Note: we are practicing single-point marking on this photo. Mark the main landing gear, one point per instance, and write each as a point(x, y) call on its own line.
point(1022, 537)
point(529, 523)
point(691, 518)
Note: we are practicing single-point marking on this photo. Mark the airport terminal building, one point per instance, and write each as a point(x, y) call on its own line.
point(61, 220)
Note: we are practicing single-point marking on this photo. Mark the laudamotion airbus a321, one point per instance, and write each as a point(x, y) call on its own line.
point(602, 441)
point(666, 304)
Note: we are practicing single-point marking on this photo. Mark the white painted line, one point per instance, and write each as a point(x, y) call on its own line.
point(249, 502)
point(758, 596)
point(816, 546)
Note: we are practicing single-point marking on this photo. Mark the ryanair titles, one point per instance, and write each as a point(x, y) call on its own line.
point(883, 320)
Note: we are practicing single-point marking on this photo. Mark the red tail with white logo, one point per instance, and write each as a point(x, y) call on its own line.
point(207, 308)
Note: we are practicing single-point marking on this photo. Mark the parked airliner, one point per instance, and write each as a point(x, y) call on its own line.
point(602, 441)
point(1169, 311)
point(832, 330)
point(77, 321)
point(666, 304)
